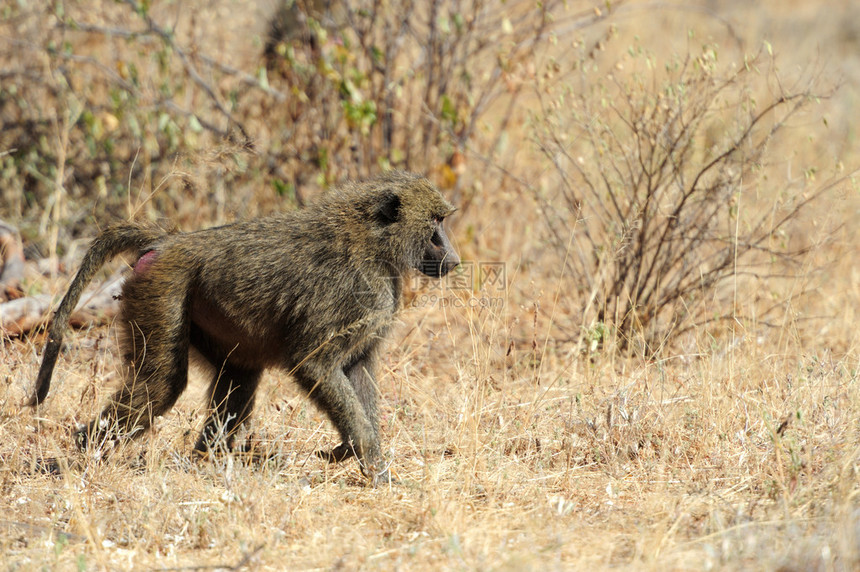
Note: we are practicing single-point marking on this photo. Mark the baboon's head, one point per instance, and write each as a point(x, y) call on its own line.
point(411, 211)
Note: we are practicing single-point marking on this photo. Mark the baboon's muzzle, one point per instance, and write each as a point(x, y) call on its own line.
point(439, 256)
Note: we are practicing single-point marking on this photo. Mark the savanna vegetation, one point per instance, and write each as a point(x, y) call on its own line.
point(648, 359)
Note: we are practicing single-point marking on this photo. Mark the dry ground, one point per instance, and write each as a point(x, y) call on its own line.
point(735, 457)
point(740, 449)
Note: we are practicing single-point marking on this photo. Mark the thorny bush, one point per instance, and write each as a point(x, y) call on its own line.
point(655, 170)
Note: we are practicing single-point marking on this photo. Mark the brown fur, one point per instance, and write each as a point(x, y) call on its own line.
point(313, 292)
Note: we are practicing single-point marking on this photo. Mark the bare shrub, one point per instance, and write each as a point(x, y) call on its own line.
point(662, 174)
point(401, 84)
point(122, 104)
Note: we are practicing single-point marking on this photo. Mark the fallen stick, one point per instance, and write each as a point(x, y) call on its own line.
point(31, 312)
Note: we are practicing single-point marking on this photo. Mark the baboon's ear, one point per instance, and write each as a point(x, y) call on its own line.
point(389, 209)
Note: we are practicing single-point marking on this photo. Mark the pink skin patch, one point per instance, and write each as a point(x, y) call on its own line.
point(145, 262)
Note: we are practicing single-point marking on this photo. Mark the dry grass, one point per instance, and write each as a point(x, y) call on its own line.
point(734, 456)
point(516, 449)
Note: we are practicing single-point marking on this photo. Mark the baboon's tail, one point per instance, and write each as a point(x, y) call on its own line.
point(113, 240)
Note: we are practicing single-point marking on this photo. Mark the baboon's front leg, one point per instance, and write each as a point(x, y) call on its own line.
point(362, 376)
point(336, 396)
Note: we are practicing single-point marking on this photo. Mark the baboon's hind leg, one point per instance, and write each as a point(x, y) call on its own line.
point(231, 400)
point(155, 343)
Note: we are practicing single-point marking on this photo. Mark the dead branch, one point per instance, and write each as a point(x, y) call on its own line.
point(30, 313)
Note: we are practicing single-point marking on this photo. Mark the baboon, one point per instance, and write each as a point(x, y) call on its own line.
point(313, 291)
